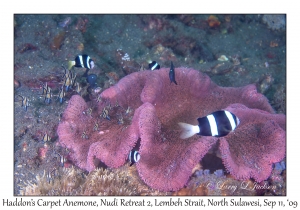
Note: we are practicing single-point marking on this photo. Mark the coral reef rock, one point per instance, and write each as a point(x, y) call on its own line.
point(106, 182)
point(73, 181)
point(65, 181)
point(275, 22)
point(145, 106)
point(211, 185)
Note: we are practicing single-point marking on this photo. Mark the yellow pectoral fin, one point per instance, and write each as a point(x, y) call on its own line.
point(71, 64)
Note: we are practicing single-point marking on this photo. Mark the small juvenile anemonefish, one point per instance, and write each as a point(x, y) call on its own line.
point(62, 160)
point(105, 114)
point(82, 61)
point(133, 157)
point(48, 95)
point(219, 123)
point(25, 102)
point(46, 138)
point(154, 65)
point(61, 95)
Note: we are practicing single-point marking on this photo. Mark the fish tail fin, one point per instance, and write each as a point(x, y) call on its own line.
point(70, 64)
point(188, 130)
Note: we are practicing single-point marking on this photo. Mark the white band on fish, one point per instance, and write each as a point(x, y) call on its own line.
point(213, 125)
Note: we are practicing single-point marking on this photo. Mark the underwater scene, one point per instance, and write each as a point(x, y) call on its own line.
point(150, 104)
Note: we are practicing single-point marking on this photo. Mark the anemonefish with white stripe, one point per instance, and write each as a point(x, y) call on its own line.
point(82, 61)
point(134, 157)
point(218, 124)
point(154, 65)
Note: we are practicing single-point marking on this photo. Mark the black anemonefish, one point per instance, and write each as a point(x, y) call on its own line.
point(154, 65)
point(133, 157)
point(219, 123)
point(82, 61)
